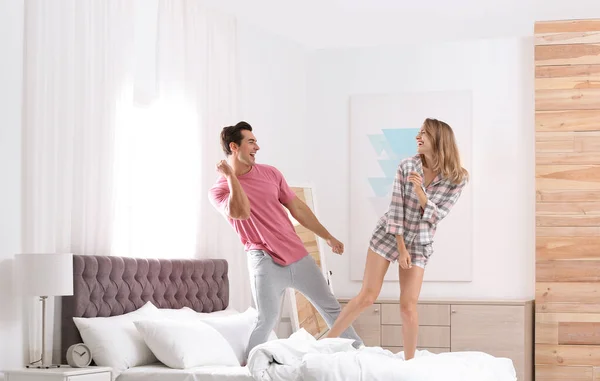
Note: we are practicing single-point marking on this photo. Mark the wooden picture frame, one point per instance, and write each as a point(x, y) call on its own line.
point(303, 313)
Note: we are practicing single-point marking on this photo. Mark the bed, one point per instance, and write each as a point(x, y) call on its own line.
point(168, 320)
point(114, 287)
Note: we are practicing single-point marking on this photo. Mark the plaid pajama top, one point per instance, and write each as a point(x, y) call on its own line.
point(405, 215)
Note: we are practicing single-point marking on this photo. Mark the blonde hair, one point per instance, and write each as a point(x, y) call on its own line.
point(446, 158)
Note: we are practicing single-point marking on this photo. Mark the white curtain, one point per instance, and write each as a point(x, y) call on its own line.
point(208, 79)
point(76, 81)
point(106, 173)
point(167, 150)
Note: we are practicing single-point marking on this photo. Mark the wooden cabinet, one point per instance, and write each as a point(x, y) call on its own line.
point(434, 327)
point(429, 336)
point(502, 329)
point(368, 325)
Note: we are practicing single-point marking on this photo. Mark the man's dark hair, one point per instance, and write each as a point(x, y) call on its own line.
point(233, 134)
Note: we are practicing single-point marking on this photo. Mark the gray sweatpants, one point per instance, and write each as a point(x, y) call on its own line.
point(269, 281)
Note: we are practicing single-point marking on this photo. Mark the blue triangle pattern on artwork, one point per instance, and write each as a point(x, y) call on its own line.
point(389, 167)
point(378, 142)
point(396, 144)
point(381, 145)
point(402, 141)
point(387, 148)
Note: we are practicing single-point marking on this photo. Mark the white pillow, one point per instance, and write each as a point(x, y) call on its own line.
point(115, 342)
point(184, 313)
point(186, 344)
point(236, 329)
point(226, 312)
point(231, 311)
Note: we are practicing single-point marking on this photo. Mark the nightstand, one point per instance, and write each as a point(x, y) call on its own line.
point(64, 373)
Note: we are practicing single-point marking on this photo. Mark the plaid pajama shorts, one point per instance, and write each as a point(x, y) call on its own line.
point(384, 244)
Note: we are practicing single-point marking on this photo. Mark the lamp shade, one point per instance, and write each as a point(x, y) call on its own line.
point(44, 274)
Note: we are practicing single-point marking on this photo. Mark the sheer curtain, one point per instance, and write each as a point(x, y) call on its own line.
point(168, 149)
point(76, 82)
point(106, 173)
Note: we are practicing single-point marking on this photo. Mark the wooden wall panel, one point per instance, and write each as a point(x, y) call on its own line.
point(566, 247)
point(572, 120)
point(568, 231)
point(567, 38)
point(558, 221)
point(567, 329)
point(573, 54)
point(581, 308)
point(575, 208)
point(566, 196)
point(566, 142)
point(568, 270)
point(567, 177)
point(567, 123)
point(566, 26)
point(563, 373)
point(568, 355)
point(567, 99)
point(579, 333)
point(567, 77)
point(566, 158)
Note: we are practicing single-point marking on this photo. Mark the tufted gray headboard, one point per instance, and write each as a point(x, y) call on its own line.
point(109, 286)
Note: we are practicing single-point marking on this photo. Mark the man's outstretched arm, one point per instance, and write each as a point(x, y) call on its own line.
point(302, 213)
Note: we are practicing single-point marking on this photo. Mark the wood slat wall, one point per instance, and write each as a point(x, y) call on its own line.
point(567, 103)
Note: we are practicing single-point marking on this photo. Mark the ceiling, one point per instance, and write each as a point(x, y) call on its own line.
point(352, 23)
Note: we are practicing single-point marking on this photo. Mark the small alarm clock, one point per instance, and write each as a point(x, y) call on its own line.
point(79, 356)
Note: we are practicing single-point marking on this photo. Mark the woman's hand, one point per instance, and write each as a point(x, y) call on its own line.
point(404, 260)
point(415, 179)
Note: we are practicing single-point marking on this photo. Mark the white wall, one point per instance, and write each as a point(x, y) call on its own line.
point(500, 75)
point(297, 100)
point(359, 23)
point(11, 69)
point(273, 98)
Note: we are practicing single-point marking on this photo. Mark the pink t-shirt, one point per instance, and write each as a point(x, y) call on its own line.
point(269, 227)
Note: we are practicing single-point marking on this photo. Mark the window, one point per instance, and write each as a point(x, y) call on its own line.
point(157, 170)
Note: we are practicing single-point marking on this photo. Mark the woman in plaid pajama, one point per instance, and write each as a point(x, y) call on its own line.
point(426, 187)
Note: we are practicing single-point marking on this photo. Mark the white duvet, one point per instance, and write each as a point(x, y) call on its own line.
point(302, 358)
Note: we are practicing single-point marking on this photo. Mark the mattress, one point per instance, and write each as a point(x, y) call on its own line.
point(159, 372)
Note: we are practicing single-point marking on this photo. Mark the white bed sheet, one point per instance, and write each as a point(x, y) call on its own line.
point(302, 358)
point(159, 372)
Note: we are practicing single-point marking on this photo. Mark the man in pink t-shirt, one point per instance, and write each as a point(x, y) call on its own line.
point(252, 198)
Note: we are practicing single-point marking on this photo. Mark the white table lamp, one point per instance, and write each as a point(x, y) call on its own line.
point(44, 275)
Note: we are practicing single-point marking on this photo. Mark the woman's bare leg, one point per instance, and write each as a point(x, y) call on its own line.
point(375, 270)
point(410, 287)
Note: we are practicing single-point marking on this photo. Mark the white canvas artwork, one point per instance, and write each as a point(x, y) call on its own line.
point(382, 132)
